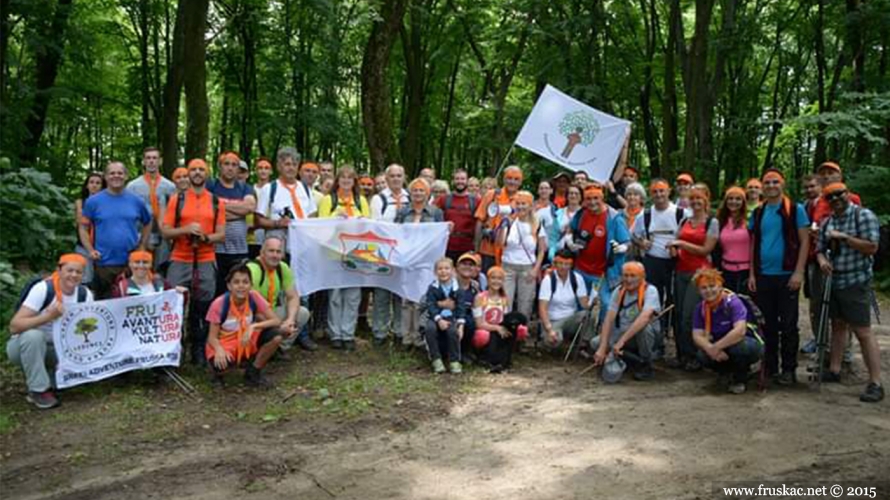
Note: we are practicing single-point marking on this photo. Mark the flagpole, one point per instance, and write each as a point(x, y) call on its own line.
point(504, 161)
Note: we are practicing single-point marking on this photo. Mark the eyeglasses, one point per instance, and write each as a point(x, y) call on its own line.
point(835, 195)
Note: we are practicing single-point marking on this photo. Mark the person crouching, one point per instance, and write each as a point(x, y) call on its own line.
point(242, 329)
point(445, 325)
point(628, 330)
point(720, 331)
point(497, 329)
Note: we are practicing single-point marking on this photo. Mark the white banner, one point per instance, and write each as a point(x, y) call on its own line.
point(572, 134)
point(345, 253)
point(97, 340)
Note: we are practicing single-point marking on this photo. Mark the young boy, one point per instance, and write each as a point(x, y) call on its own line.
point(444, 326)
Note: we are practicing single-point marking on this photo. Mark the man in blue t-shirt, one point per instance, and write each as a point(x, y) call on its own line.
point(240, 201)
point(115, 222)
point(780, 245)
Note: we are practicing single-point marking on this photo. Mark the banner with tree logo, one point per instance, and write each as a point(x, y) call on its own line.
point(345, 253)
point(572, 134)
point(97, 340)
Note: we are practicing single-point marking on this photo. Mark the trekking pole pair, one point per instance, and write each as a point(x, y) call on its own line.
point(823, 330)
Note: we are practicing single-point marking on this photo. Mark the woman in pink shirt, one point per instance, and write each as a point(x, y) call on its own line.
point(735, 240)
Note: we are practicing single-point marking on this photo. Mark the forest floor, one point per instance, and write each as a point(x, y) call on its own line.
point(376, 424)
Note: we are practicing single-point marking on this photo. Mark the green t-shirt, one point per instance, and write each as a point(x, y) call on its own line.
point(261, 282)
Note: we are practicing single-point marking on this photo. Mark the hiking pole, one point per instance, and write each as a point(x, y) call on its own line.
point(184, 385)
point(822, 332)
point(627, 354)
point(584, 321)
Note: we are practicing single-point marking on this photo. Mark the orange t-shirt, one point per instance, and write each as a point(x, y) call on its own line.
point(491, 218)
point(197, 208)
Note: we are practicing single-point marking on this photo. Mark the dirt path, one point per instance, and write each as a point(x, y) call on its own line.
point(537, 432)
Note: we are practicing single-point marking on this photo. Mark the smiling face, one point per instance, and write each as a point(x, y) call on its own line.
point(419, 195)
point(838, 201)
point(287, 169)
point(496, 282)
point(710, 291)
point(116, 176)
point(734, 203)
point(467, 269)
point(263, 172)
point(544, 191)
point(594, 202)
point(380, 183)
point(70, 276)
point(140, 268)
point(631, 281)
point(473, 186)
point(772, 189)
point(395, 177)
point(182, 181)
point(574, 196)
point(444, 271)
point(239, 285)
point(197, 176)
point(634, 200)
point(272, 252)
point(94, 184)
point(459, 181)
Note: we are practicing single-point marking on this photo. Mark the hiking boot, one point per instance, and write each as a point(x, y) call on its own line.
point(217, 381)
point(787, 378)
point(872, 394)
point(337, 344)
point(455, 367)
point(831, 377)
point(253, 377)
point(809, 347)
point(43, 400)
point(692, 365)
point(349, 345)
point(438, 366)
point(307, 344)
point(737, 388)
point(644, 373)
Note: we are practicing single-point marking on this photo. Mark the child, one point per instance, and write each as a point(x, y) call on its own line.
point(242, 328)
point(444, 326)
point(497, 329)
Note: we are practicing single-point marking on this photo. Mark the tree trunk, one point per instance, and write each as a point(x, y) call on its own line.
point(4, 50)
point(443, 134)
point(48, 58)
point(697, 85)
point(172, 92)
point(376, 106)
point(415, 76)
point(145, 73)
point(649, 130)
point(670, 143)
point(194, 60)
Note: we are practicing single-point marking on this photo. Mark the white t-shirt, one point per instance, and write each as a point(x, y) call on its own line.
point(34, 302)
point(283, 201)
point(521, 247)
point(392, 204)
point(562, 302)
point(662, 230)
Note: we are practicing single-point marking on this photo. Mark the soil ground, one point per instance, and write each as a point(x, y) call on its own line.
point(377, 424)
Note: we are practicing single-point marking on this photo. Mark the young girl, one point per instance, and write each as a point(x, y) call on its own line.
point(497, 328)
point(139, 279)
point(444, 326)
point(346, 202)
point(242, 329)
point(734, 240)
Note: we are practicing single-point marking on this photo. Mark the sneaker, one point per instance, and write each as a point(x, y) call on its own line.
point(787, 378)
point(455, 367)
point(644, 373)
point(831, 377)
point(809, 347)
point(872, 394)
point(737, 388)
point(337, 344)
point(307, 344)
point(349, 345)
point(43, 400)
point(438, 366)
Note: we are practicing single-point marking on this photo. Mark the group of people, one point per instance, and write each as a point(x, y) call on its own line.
point(522, 271)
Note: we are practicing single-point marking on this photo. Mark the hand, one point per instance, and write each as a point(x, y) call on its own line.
point(645, 244)
point(443, 324)
point(450, 226)
point(287, 328)
point(610, 186)
point(245, 339)
point(194, 229)
point(551, 336)
point(446, 304)
point(283, 222)
point(503, 332)
point(95, 254)
point(221, 358)
point(795, 281)
point(55, 311)
point(722, 356)
point(837, 235)
point(181, 289)
point(618, 349)
point(677, 244)
point(825, 266)
point(532, 274)
point(752, 284)
point(599, 357)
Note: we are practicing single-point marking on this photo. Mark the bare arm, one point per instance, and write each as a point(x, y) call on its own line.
point(237, 209)
point(27, 319)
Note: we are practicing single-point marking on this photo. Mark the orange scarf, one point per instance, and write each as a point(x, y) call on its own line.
point(57, 286)
point(348, 202)
point(710, 307)
point(241, 351)
point(641, 294)
point(632, 216)
point(153, 194)
point(270, 277)
point(298, 209)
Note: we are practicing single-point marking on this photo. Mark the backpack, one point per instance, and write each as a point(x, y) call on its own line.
point(263, 274)
point(573, 280)
point(180, 201)
point(755, 319)
point(449, 200)
point(224, 313)
point(50, 293)
point(647, 219)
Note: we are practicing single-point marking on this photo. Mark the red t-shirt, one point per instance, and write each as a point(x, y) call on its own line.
point(461, 239)
point(195, 209)
point(592, 259)
point(689, 262)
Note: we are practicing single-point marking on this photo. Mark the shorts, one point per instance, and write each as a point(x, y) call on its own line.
point(853, 305)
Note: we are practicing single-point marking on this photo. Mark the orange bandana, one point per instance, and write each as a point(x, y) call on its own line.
point(754, 183)
point(685, 178)
point(735, 190)
point(197, 164)
point(179, 172)
point(298, 209)
point(229, 156)
point(270, 277)
point(773, 175)
point(659, 185)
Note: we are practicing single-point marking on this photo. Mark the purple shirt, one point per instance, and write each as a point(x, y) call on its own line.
point(729, 312)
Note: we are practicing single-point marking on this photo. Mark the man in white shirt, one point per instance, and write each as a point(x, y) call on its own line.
point(651, 233)
point(286, 199)
point(387, 315)
point(563, 299)
point(31, 343)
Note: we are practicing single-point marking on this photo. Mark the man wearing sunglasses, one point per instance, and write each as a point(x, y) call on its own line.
point(847, 245)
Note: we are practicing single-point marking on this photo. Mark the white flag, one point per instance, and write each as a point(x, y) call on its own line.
point(572, 134)
point(97, 340)
point(345, 253)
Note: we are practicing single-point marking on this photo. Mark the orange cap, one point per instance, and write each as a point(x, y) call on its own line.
point(829, 165)
point(684, 177)
point(470, 256)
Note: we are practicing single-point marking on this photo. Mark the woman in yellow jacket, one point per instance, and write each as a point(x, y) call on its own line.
point(346, 202)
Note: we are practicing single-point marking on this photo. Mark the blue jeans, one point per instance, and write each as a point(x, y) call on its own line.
point(601, 284)
point(742, 355)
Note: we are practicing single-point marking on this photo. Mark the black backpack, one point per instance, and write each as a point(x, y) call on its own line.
point(50, 293)
point(449, 199)
point(573, 280)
